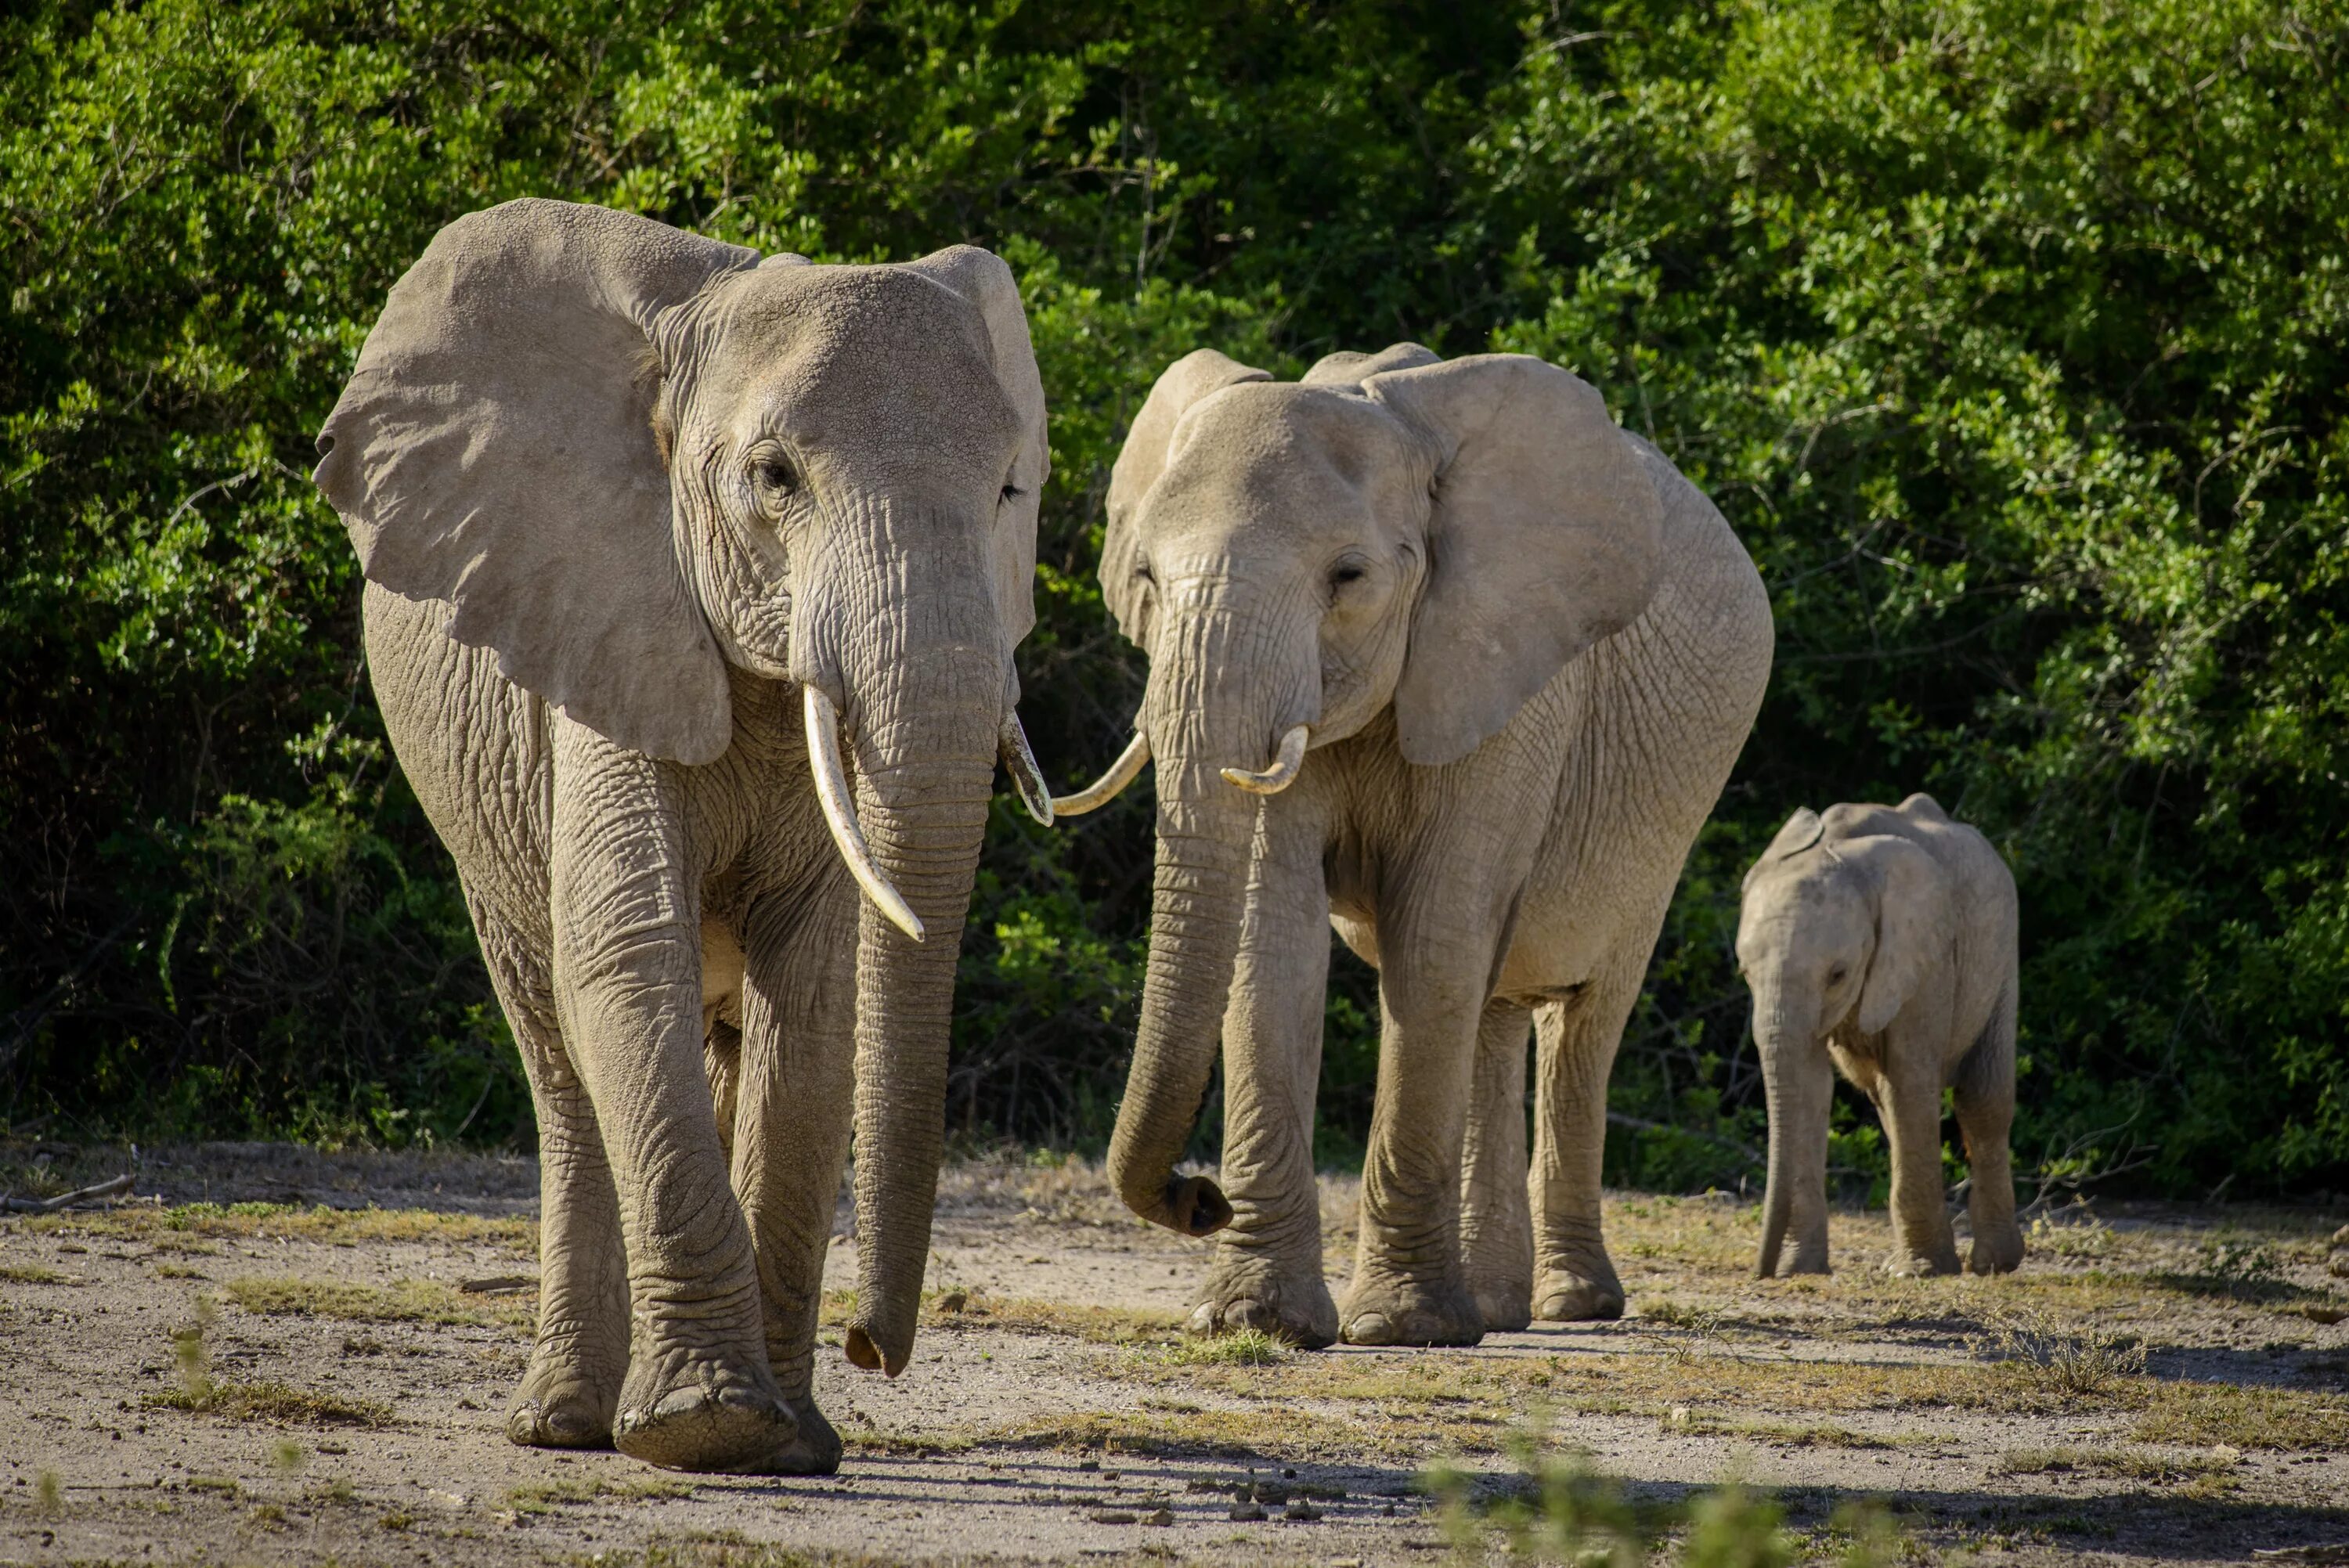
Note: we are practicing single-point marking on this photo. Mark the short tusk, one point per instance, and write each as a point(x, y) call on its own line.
point(1029, 778)
point(840, 813)
point(1283, 771)
point(1121, 773)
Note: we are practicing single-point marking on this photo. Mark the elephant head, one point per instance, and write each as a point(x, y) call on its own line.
point(638, 465)
point(1394, 533)
point(1834, 930)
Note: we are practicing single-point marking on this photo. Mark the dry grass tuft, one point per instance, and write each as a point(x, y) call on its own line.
point(267, 1401)
point(2082, 1365)
point(404, 1301)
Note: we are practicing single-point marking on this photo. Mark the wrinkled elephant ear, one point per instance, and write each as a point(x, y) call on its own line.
point(1802, 830)
point(1347, 368)
point(1149, 443)
point(1913, 925)
point(984, 280)
point(1545, 537)
point(494, 450)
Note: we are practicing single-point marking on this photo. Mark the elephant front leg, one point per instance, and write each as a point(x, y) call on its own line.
point(1909, 1098)
point(1575, 1040)
point(792, 1134)
point(580, 1354)
point(627, 972)
point(1410, 1285)
point(1497, 1231)
point(1268, 1272)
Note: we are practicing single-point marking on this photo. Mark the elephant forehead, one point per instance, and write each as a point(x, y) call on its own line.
point(859, 354)
point(1303, 459)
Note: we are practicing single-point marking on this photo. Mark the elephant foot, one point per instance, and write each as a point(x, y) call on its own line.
point(1915, 1267)
point(1299, 1312)
point(702, 1416)
point(813, 1450)
point(560, 1404)
point(1564, 1296)
point(1997, 1250)
point(576, 1421)
point(1400, 1312)
point(1506, 1306)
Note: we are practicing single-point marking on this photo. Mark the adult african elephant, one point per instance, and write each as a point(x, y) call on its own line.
point(1522, 652)
point(657, 534)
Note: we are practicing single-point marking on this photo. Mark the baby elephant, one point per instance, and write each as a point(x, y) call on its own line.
point(1881, 938)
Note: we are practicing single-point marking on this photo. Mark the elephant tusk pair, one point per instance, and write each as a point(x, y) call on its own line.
point(1283, 771)
point(840, 812)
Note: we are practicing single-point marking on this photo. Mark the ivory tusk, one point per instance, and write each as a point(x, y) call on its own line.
point(1121, 773)
point(1283, 771)
point(1029, 778)
point(840, 812)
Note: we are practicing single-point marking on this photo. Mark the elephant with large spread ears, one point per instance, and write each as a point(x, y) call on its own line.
point(1441, 655)
point(693, 583)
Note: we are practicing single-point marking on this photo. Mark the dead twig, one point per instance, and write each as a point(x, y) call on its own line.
point(104, 1190)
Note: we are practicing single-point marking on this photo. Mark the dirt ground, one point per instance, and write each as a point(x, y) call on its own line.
point(270, 1356)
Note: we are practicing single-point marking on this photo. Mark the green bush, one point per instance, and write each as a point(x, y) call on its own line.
point(2008, 336)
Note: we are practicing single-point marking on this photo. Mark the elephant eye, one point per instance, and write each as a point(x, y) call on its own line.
point(1347, 571)
point(1012, 493)
point(1141, 573)
point(1835, 976)
point(774, 474)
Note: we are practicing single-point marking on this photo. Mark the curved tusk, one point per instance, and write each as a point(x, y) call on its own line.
point(1034, 793)
point(840, 812)
point(1121, 773)
point(1283, 771)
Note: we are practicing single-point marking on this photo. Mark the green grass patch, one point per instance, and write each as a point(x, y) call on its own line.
point(403, 1301)
point(266, 1401)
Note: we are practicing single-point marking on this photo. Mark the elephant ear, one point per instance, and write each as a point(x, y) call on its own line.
point(1802, 830)
point(1347, 368)
point(984, 280)
point(494, 450)
point(1544, 536)
point(1149, 442)
point(1913, 926)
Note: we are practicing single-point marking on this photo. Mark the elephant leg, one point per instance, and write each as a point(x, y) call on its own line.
point(1985, 1103)
point(1575, 1045)
point(798, 1017)
point(581, 1351)
point(1909, 1098)
point(1410, 1285)
point(1496, 1231)
point(1268, 1272)
point(627, 963)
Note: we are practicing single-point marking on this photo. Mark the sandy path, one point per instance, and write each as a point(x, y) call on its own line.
point(368, 1427)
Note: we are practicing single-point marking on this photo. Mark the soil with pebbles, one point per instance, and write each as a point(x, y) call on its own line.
point(1013, 1435)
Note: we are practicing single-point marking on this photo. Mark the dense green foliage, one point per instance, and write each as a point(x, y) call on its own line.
point(2009, 338)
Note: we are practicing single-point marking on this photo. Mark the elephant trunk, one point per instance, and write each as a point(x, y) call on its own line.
point(1197, 727)
point(1799, 1084)
point(924, 706)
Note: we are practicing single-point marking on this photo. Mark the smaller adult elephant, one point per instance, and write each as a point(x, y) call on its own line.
point(693, 583)
point(1881, 940)
point(1503, 656)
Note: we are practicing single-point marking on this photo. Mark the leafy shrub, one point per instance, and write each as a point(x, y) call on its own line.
point(2009, 337)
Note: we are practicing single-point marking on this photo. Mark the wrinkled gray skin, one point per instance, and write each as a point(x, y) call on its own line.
point(620, 492)
point(1881, 939)
point(1528, 651)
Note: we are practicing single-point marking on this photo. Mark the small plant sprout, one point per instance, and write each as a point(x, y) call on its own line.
point(48, 1492)
point(190, 1355)
point(287, 1457)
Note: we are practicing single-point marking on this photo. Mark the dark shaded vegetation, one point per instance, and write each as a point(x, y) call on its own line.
point(2009, 338)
